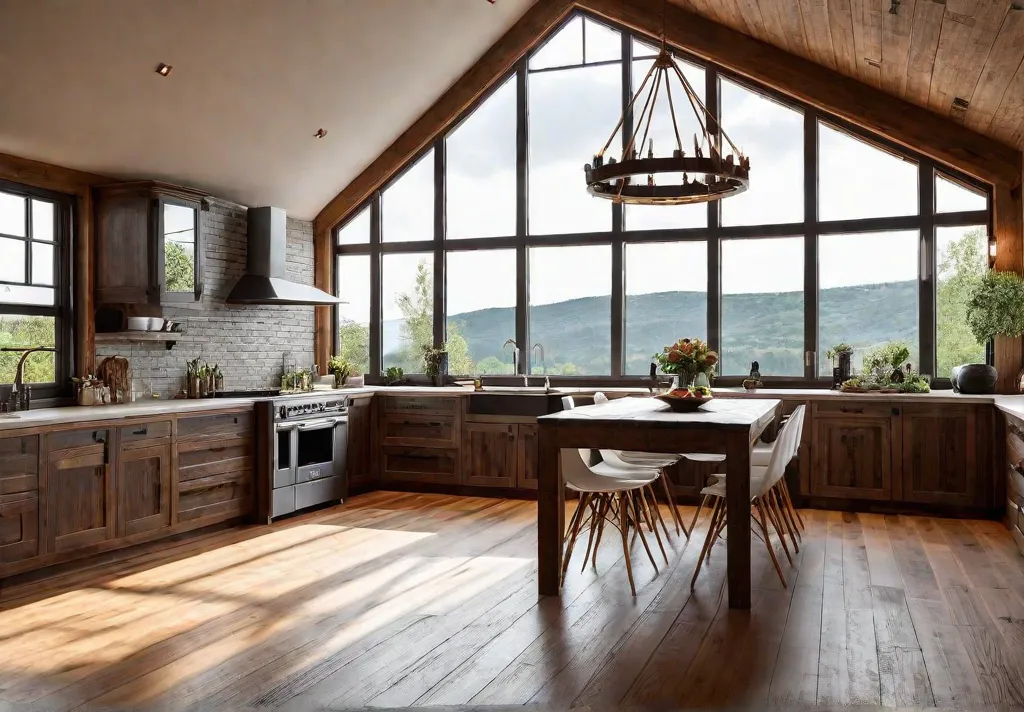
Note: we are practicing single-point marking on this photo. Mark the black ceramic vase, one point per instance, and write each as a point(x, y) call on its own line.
point(974, 379)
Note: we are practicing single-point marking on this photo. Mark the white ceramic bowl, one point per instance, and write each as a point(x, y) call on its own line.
point(156, 323)
point(138, 323)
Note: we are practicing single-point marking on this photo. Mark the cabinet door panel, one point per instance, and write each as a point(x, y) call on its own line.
point(144, 483)
point(19, 527)
point(407, 464)
point(489, 458)
point(360, 451)
point(853, 457)
point(420, 430)
point(80, 500)
point(526, 457)
point(940, 462)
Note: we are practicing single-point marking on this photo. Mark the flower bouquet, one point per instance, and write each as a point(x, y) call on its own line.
point(687, 358)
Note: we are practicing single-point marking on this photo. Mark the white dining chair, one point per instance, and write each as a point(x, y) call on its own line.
point(606, 494)
point(659, 461)
point(763, 497)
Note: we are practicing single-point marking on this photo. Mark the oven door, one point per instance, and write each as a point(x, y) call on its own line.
point(320, 448)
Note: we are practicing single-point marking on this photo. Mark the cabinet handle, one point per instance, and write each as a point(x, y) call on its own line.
point(895, 411)
point(140, 431)
point(511, 435)
point(844, 409)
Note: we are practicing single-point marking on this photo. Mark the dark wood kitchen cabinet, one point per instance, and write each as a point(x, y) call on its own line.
point(19, 527)
point(144, 489)
point(360, 459)
point(79, 490)
point(852, 451)
point(489, 455)
point(526, 456)
point(149, 248)
point(214, 478)
point(943, 456)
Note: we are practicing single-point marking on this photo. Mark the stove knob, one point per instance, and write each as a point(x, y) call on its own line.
point(283, 412)
point(323, 407)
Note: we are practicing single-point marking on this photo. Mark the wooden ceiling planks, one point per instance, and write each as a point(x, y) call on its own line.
point(928, 52)
point(924, 43)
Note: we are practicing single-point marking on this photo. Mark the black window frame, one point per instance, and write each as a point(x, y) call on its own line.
point(64, 216)
point(926, 220)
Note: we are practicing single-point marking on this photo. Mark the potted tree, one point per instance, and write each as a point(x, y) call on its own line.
point(994, 309)
point(435, 363)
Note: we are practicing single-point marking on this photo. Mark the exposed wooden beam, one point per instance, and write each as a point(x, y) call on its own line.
point(79, 184)
point(909, 125)
point(495, 63)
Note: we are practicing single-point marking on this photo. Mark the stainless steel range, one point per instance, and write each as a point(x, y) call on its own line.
point(308, 460)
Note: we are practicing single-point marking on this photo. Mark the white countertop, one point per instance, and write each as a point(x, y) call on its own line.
point(1014, 405)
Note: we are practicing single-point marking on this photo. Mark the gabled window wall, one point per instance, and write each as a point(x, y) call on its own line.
point(489, 234)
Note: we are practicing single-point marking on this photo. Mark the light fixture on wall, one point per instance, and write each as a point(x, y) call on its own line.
point(320, 133)
point(613, 180)
point(164, 70)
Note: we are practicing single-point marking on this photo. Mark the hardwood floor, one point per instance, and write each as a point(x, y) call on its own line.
point(412, 600)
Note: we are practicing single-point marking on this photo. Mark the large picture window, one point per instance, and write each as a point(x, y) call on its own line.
point(489, 235)
point(34, 289)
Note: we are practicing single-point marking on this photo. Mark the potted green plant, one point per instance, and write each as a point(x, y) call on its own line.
point(842, 371)
point(341, 369)
point(993, 309)
point(393, 375)
point(435, 363)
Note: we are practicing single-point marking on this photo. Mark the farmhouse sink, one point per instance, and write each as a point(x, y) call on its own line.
point(528, 402)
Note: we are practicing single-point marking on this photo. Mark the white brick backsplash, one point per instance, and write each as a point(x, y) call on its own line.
point(249, 343)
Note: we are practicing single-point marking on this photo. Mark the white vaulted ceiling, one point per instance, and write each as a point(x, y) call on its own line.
point(252, 82)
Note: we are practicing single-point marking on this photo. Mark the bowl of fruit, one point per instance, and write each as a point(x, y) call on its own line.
point(686, 400)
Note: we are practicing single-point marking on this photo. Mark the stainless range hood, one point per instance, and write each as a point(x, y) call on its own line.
point(264, 281)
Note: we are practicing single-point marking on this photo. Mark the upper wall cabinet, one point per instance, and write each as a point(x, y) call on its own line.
point(148, 243)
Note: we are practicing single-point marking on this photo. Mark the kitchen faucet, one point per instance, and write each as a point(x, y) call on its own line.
point(18, 401)
point(515, 355)
point(547, 381)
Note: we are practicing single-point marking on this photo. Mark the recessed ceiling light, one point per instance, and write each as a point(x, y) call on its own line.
point(164, 69)
point(320, 133)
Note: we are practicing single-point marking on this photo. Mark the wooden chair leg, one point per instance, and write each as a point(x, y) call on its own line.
point(720, 527)
point(577, 520)
point(791, 527)
point(766, 504)
point(623, 499)
point(577, 513)
point(696, 515)
point(637, 517)
point(650, 520)
point(789, 503)
point(606, 506)
point(673, 507)
point(783, 503)
point(715, 508)
point(768, 543)
point(596, 514)
point(657, 510)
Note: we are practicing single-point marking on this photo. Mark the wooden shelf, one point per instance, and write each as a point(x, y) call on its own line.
point(169, 338)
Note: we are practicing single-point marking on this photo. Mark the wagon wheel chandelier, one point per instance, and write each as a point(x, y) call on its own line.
point(614, 180)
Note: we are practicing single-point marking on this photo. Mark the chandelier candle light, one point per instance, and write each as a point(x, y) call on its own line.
point(714, 178)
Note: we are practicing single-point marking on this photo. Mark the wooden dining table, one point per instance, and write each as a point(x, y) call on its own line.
point(723, 425)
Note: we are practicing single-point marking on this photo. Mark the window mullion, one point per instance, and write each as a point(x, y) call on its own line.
point(714, 237)
point(522, 335)
point(927, 278)
point(438, 247)
point(376, 343)
point(811, 277)
point(618, 305)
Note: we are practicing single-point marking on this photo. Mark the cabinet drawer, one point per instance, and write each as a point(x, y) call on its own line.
point(420, 465)
point(19, 464)
point(215, 426)
point(214, 457)
point(65, 439)
point(140, 432)
point(422, 404)
point(424, 430)
point(219, 496)
point(1014, 482)
point(19, 527)
point(854, 408)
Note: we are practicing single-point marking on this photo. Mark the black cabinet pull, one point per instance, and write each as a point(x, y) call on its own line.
point(895, 411)
point(140, 431)
point(851, 410)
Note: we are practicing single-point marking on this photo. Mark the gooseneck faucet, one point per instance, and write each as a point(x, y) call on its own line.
point(515, 354)
point(18, 400)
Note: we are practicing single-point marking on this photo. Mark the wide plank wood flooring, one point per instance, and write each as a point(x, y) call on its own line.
point(397, 600)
